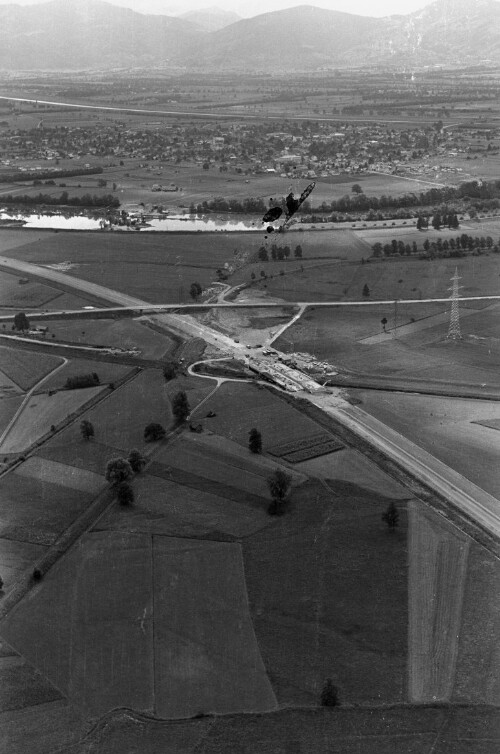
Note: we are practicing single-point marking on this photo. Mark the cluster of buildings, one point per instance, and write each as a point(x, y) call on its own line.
point(308, 149)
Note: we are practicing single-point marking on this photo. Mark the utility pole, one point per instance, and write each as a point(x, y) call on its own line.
point(454, 328)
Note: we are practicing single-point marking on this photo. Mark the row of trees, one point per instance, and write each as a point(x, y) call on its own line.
point(42, 174)
point(437, 221)
point(87, 200)
point(460, 244)
point(250, 205)
point(279, 252)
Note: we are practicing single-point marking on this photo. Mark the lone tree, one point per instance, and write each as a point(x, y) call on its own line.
point(356, 189)
point(255, 441)
point(298, 251)
point(125, 494)
point(180, 406)
point(384, 322)
point(136, 460)
point(391, 516)
point(169, 371)
point(366, 290)
point(154, 432)
point(118, 470)
point(279, 485)
point(21, 322)
point(87, 429)
point(195, 290)
point(329, 694)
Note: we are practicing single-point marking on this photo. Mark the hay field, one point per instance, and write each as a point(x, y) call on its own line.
point(437, 569)
point(119, 421)
point(27, 295)
point(239, 408)
point(336, 605)
point(119, 333)
point(106, 371)
point(153, 267)
point(224, 466)
point(37, 513)
point(26, 368)
point(446, 428)
point(163, 506)
point(45, 470)
point(176, 641)
point(40, 412)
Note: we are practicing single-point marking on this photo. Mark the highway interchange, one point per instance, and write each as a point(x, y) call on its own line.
point(473, 502)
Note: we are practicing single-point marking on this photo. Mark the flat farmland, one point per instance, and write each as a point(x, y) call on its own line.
point(8, 389)
point(39, 413)
point(404, 278)
point(42, 728)
point(25, 295)
point(75, 451)
point(21, 686)
point(106, 371)
point(15, 557)
point(239, 408)
point(114, 333)
point(37, 513)
point(423, 730)
point(154, 267)
point(75, 478)
point(445, 427)
point(165, 507)
point(227, 466)
point(198, 653)
point(327, 612)
point(10, 239)
point(26, 368)
point(119, 421)
point(8, 408)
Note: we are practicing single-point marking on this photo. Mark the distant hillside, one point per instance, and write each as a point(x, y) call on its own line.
point(211, 19)
point(91, 34)
point(72, 34)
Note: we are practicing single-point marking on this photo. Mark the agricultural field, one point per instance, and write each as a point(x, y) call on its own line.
point(17, 556)
point(26, 368)
point(106, 371)
point(37, 513)
point(152, 267)
point(39, 413)
point(74, 478)
point(27, 295)
point(404, 278)
point(328, 612)
point(447, 428)
point(190, 658)
point(114, 333)
point(179, 509)
point(119, 421)
point(239, 408)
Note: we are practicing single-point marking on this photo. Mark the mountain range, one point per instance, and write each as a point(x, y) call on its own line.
point(92, 34)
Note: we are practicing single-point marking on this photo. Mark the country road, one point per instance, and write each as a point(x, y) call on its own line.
point(464, 495)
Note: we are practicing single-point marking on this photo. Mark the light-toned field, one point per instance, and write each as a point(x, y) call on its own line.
point(348, 467)
point(444, 427)
point(37, 513)
point(106, 371)
point(120, 333)
point(196, 654)
point(239, 408)
point(437, 557)
point(119, 421)
point(44, 470)
point(166, 507)
point(40, 412)
point(26, 368)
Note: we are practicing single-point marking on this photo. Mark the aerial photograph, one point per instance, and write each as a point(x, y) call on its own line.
point(249, 377)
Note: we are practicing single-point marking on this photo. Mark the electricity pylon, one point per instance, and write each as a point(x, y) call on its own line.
point(454, 328)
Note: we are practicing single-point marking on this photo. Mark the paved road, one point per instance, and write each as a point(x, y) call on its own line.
point(468, 498)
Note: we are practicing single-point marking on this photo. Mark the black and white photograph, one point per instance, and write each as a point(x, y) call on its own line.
point(249, 377)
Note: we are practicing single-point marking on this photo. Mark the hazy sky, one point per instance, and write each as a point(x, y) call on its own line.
point(245, 8)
